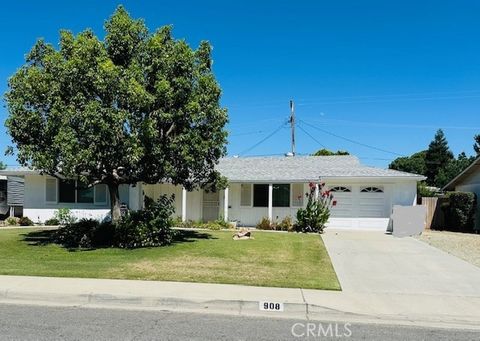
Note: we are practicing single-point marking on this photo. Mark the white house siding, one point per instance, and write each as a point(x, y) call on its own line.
point(354, 210)
point(37, 209)
point(472, 184)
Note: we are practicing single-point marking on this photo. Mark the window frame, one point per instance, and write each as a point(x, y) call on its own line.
point(251, 194)
point(55, 181)
point(57, 194)
point(372, 189)
point(302, 191)
point(341, 189)
point(289, 195)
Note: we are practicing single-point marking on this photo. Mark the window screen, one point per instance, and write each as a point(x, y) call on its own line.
point(297, 195)
point(245, 195)
point(51, 190)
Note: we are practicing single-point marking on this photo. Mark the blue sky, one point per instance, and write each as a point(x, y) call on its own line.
point(385, 74)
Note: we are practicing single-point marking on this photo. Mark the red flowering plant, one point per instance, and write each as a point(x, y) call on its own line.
point(315, 215)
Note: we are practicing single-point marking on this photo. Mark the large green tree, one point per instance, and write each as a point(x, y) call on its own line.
point(452, 169)
point(411, 164)
point(437, 157)
point(135, 106)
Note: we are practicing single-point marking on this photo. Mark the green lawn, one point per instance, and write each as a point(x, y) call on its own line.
point(271, 259)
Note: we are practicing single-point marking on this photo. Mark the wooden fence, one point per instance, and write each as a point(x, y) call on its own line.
point(435, 216)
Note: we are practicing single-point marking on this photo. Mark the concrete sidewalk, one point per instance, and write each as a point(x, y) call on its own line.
point(424, 310)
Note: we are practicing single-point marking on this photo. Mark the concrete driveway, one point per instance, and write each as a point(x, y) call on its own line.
point(374, 262)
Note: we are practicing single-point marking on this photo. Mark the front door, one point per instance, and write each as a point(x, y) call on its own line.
point(211, 204)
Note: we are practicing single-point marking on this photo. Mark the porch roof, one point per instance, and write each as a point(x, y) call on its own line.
point(303, 169)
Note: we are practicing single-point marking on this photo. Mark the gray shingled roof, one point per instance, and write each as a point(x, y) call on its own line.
point(294, 169)
point(301, 169)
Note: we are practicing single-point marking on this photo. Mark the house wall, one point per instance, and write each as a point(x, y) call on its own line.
point(37, 209)
point(472, 184)
point(366, 211)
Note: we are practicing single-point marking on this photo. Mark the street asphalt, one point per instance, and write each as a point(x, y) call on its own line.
point(24, 322)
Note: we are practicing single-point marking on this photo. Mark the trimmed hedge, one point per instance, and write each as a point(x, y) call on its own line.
point(460, 211)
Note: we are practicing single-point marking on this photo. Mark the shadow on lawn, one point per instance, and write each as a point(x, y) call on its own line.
point(46, 237)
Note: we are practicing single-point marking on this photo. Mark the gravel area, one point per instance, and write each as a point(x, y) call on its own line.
point(463, 245)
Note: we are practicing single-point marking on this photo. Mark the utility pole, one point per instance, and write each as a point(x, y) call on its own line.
point(292, 125)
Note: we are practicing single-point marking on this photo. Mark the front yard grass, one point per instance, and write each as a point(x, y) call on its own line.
point(271, 259)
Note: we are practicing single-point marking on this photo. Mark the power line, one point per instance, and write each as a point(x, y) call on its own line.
point(313, 138)
point(264, 139)
point(350, 140)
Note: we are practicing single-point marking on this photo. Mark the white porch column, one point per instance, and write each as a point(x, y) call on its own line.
point(225, 205)
point(317, 191)
point(270, 202)
point(184, 204)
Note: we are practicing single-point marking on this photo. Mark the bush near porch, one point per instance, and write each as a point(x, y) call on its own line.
point(271, 259)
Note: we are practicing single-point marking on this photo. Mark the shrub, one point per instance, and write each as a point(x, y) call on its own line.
point(314, 217)
point(85, 233)
point(460, 211)
point(64, 216)
point(52, 222)
point(148, 227)
point(286, 224)
point(25, 221)
point(12, 221)
point(265, 224)
point(424, 191)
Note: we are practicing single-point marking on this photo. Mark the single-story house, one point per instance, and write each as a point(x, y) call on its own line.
point(272, 187)
point(468, 181)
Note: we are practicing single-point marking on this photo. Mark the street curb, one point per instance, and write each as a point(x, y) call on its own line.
point(299, 311)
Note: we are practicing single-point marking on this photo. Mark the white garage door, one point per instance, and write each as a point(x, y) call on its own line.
point(345, 203)
point(371, 203)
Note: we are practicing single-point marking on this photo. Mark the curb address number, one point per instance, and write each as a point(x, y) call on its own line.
point(270, 306)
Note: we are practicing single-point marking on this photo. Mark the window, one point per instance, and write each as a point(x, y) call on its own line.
point(297, 195)
point(51, 190)
point(246, 195)
point(281, 195)
point(260, 195)
point(340, 189)
point(371, 190)
point(66, 191)
point(101, 194)
point(85, 195)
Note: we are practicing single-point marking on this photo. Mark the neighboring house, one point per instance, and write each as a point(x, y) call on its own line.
point(272, 187)
point(468, 181)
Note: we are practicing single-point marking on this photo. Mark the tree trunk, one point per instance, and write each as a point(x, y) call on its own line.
point(114, 202)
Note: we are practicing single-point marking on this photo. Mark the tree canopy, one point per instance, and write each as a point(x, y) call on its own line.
point(437, 163)
point(136, 106)
point(437, 157)
point(326, 152)
point(411, 164)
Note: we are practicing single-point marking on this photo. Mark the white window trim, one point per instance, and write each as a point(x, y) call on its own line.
point(57, 195)
point(56, 191)
point(372, 186)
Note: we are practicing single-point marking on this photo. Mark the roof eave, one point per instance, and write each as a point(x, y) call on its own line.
point(451, 184)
